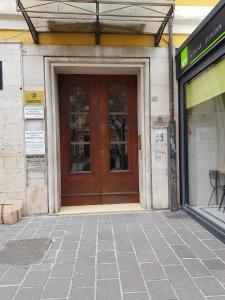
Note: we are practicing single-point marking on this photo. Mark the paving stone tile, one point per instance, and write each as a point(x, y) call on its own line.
point(14, 276)
point(106, 257)
point(26, 234)
point(41, 267)
point(122, 236)
point(189, 294)
point(191, 239)
point(107, 271)
point(105, 245)
point(87, 248)
point(66, 256)
point(127, 261)
point(214, 264)
point(84, 275)
point(145, 256)
point(195, 267)
point(204, 235)
point(138, 236)
point(179, 277)
point(210, 286)
point(166, 230)
point(183, 230)
point(173, 239)
point(132, 281)
point(62, 270)
point(161, 290)
point(83, 263)
point(220, 253)
point(29, 293)
point(183, 251)
point(216, 298)
point(202, 251)
point(3, 269)
point(165, 255)
point(8, 292)
point(136, 296)
point(152, 271)
point(219, 275)
point(108, 289)
point(72, 237)
point(130, 217)
point(58, 234)
point(214, 244)
point(105, 227)
point(82, 294)
point(76, 220)
point(195, 227)
point(69, 245)
point(142, 246)
point(55, 245)
point(36, 279)
point(105, 235)
point(124, 246)
point(57, 288)
point(102, 219)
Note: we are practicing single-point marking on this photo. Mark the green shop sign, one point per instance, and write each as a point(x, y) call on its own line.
point(211, 34)
point(184, 57)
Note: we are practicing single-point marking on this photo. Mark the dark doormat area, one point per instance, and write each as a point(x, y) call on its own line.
point(24, 252)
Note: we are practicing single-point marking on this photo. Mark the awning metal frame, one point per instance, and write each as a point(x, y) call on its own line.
point(107, 15)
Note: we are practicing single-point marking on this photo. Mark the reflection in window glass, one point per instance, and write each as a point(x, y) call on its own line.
point(80, 129)
point(80, 157)
point(118, 157)
point(205, 102)
point(117, 126)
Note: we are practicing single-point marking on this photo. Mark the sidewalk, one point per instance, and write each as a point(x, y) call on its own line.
point(129, 256)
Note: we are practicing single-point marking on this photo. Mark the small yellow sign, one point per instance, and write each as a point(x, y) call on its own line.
point(34, 98)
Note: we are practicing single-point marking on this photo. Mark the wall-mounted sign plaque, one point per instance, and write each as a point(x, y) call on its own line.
point(34, 98)
point(34, 112)
point(35, 142)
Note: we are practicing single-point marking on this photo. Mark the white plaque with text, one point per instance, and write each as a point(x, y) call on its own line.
point(35, 142)
point(34, 112)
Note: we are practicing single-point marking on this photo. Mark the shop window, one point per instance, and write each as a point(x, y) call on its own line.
point(205, 106)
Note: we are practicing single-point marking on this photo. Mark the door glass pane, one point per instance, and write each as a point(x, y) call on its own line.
point(118, 98)
point(118, 127)
point(118, 157)
point(80, 129)
point(80, 157)
point(205, 104)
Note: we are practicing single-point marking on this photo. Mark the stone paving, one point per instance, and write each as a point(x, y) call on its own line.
point(123, 256)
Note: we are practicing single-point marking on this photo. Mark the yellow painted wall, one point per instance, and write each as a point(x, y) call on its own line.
point(69, 39)
point(196, 2)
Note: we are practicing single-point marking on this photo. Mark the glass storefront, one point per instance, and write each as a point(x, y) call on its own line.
point(205, 108)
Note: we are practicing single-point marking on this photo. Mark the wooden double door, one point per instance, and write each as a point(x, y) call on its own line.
point(99, 142)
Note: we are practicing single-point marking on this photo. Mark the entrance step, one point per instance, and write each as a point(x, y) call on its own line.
point(108, 208)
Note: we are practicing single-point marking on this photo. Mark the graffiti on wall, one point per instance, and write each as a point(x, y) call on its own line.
point(159, 145)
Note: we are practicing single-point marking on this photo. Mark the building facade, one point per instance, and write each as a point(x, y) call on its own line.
point(84, 116)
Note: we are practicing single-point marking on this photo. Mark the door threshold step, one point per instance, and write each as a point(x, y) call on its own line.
point(103, 208)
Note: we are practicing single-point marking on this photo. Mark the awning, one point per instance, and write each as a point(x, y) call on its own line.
point(97, 16)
